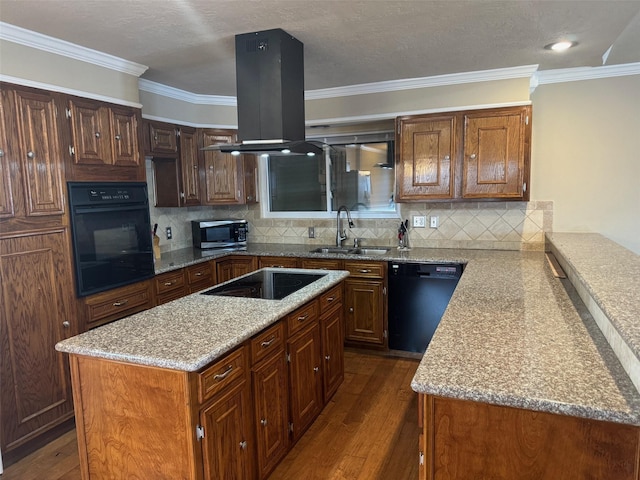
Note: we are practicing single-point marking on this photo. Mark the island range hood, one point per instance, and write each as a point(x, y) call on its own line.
point(270, 95)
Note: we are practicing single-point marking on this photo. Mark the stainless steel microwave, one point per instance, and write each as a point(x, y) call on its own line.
point(219, 233)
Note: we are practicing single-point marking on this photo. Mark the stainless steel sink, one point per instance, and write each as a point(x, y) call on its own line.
point(353, 251)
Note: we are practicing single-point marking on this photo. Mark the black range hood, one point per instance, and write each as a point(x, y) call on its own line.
point(270, 95)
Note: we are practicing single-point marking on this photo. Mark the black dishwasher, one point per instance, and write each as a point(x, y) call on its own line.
point(418, 296)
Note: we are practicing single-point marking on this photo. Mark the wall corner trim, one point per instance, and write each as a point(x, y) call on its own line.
point(585, 73)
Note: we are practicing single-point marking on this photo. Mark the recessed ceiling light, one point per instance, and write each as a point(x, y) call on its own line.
point(561, 46)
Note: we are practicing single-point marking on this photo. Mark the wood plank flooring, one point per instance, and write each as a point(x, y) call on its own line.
point(368, 431)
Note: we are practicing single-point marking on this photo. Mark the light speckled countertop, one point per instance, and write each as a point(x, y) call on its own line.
point(512, 335)
point(189, 333)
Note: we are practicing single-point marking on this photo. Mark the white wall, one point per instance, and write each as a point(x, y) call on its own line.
point(586, 156)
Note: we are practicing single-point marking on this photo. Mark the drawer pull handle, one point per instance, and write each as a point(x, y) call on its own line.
point(199, 274)
point(266, 343)
point(168, 284)
point(364, 270)
point(223, 375)
point(303, 318)
point(330, 299)
point(120, 303)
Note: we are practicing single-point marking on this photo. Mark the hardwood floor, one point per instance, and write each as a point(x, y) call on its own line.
point(368, 431)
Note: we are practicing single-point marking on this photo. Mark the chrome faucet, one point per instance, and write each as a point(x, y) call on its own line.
point(341, 235)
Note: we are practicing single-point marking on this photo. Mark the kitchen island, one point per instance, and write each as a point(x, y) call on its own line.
point(201, 388)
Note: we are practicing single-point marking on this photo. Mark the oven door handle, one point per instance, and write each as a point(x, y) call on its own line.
point(119, 208)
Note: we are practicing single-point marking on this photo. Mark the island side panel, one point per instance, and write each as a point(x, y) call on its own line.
point(476, 440)
point(133, 420)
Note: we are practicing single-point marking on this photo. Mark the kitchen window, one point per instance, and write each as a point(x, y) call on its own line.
point(359, 175)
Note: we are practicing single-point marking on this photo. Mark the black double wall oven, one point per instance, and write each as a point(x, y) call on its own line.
point(111, 231)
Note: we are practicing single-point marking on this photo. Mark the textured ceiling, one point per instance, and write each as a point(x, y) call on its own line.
point(189, 44)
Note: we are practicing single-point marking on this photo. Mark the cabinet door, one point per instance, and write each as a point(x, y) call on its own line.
point(39, 153)
point(190, 194)
point(250, 171)
point(223, 181)
point(332, 329)
point(234, 267)
point(36, 295)
point(6, 195)
point(364, 317)
point(495, 154)
point(271, 403)
point(426, 165)
point(124, 137)
point(90, 132)
point(161, 139)
point(227, 443)
point(305, 377)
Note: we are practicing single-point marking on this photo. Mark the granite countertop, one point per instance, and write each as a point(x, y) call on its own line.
point(189, 333)
point(513, 334)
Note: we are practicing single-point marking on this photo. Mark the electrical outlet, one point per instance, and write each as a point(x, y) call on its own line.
point(168, 231)
point(434, 222)
point(312, 232)
point(419, 221)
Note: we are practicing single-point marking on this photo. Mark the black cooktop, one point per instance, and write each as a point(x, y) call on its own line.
point(265, 284)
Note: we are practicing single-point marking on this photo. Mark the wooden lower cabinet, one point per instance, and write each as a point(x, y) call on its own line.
point(366, 304)
point(36, 312)
point(227, 446)
point(234, 266)
point(277, 262)
point(117, 303)
point(461, 439)
point(332, 329)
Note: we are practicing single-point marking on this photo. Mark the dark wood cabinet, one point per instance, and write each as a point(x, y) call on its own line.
point(200, 276)
point(32, 170)
point(190, 171)
point(160, 139)
point(37, 312)
point(476, 154)
point(332, 331)
point(277, 262)
point(227, 179)
point(365, 304)
point(270, 398)
point(105, 142)
point(170, 286)
point(305, 368)
point(117, 303)
point(234, 266)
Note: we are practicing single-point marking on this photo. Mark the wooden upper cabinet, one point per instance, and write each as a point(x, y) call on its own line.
point(190, 172)
point(160, 139)
point(496, 153)
point(6, 195)
point(477, 154)
point(104, 142)
point(32, 166)
point(425, 166)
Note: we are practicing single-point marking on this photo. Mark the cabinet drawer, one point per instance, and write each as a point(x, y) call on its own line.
point(331, 298)
point(224, 372)
point(321, 264)
point(302, 317)
point(278, 262)
point(267, 342)
point(118, 303)
point(201, 273)
point(365, 269)
point(169, 282)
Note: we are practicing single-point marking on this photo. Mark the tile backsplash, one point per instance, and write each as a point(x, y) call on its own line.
point(476, 225)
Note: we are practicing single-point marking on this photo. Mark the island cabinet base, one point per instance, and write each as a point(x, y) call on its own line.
point(463, 440)
point(131, 419)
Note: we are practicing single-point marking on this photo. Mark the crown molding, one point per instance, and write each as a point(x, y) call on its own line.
point(197, 99)
point(525, 71)
point(188, 124)
point(584, 73)
point(28, 38)
point(68, 91)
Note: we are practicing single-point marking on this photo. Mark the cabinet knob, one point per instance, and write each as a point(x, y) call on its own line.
point(97, 134)
point(1, 152)
point(243, 445)
point(350, 309)
point(316, 369)
point(66, 324)
point(195, 167)
point(118, 137)
point(263, 422)
point(472, 156)
point(327, 357)
point(30, 155)
point(446, 157)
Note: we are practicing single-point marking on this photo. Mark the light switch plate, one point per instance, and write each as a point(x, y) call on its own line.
point(434, 222)
point(419, 221)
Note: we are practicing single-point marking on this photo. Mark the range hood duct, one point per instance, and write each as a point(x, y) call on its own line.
point(270, 95)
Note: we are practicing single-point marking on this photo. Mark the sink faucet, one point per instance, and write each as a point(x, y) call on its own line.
point(341, 235)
